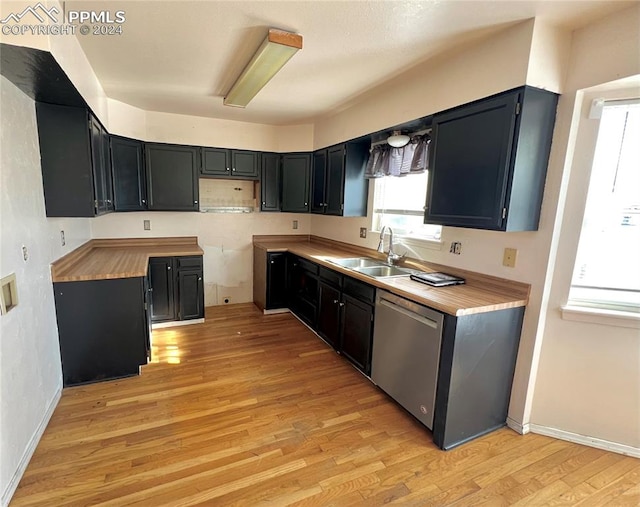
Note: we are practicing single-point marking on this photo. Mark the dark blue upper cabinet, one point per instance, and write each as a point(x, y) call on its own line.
point(489, 161)
point(172, 177)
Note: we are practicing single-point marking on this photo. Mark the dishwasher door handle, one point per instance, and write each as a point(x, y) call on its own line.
point(412, 315)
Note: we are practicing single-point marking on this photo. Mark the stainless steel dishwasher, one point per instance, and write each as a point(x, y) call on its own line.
point(406, 353)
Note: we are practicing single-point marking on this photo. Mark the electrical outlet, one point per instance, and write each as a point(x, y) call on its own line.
point(295, 224)
point(363, 232)
point(62, 240)
point(509, 258)
point(455, 248)
point(147, 225)
point(226, 299)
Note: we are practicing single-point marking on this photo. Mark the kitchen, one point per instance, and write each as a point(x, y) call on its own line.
point(227, 243)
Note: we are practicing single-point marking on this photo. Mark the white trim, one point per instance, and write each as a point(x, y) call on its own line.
point(276, 311)
point(161, 325)
point(427, 244)
point(523, 429)
point(576, 438)
point(7, 494)
point(601, 316)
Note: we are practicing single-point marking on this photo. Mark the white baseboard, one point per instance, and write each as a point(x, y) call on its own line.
point(518, 427)
point(598, 443)
point(7, 494)
point(277, 310)
point(174, 323)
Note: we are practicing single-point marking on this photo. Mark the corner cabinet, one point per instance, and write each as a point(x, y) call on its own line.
point(296, 168)
point(172, 177)
point(76, 169)
point(490, 160)
point(339, 186)
point(127, 166)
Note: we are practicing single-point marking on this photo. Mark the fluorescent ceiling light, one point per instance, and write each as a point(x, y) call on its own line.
point(276, 50)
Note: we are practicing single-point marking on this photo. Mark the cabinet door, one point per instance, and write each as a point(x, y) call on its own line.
point(335, 181)
point(161, 275)
point(357, 327)
point(244, 164)
point(329, 310)
point(276, 280)
point(97, 162)
point(295, 182)
point(471, 159)
point(107, 176)
point(318, 181)
point(302, 290)
point(190, 294)
point(128, 175)
point(172, 177)
point(270, 182)
point(216, 162)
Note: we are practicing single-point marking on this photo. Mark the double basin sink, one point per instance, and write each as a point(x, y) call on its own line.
point(371, 267)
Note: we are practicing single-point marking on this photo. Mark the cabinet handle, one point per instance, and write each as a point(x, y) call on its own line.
point(273, 262)
point(306, 203)
point(234, 169)
point(199, 278)
point(168, 268)
point(227, 168)
point(341, 304)
point(264, 203)
point(144, 201)
point(335, 301)
point(195, 202)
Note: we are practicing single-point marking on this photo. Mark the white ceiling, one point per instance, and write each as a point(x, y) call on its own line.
point(182, 57)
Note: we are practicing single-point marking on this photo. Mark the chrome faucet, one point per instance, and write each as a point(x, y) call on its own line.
point(392, 257)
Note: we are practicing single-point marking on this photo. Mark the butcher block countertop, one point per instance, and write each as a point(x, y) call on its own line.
point(481, 293)
point(105, 259)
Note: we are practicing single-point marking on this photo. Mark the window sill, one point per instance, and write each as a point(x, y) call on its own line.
point(427, 244)
point(601, 316)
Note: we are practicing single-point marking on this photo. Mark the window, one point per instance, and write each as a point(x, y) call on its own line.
point(607, 270)
point(399, 203)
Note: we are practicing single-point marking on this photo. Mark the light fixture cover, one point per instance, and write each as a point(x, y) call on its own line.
point(398, 140)
point(276, 50)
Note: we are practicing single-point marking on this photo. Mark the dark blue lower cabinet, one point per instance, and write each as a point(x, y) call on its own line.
point(102, 327)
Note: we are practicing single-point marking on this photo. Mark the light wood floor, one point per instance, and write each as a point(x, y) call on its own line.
point(248, 409)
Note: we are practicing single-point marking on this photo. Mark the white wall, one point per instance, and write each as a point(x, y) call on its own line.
point(30, 372)
point(588, 379)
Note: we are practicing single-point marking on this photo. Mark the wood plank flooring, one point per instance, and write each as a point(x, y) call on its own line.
point(248, 409)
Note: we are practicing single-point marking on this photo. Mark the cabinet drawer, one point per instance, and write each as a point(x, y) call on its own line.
point(194, 262)
point(331, 277)
point(308, 266)
point(359, 289)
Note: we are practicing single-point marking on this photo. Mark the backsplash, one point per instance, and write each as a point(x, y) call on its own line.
point(217, 193)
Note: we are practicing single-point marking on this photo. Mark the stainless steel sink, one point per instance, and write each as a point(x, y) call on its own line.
point(357, 262)
point(383, 271)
